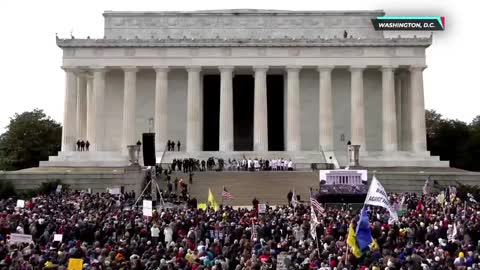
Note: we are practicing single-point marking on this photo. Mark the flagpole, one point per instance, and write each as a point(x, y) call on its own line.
point(318, 243)
point(346, 256)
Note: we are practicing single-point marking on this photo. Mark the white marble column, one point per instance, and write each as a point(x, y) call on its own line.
point(260, 112)
point(293, 109)
point(398, 110)
point(96, 142)
point(194, 110)
point(357, 101)
point(419, 139)
point(81, 106)
point(90, 109)
point(69, 138)
point(325, 110)
point(389, 119)
point(226, 109)
point(129, 107)
point(406, 113)
point(161, 108)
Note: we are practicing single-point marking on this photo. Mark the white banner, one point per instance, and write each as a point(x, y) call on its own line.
point(377, 196)
point(58, 237)
point(20, 238)
point(147, 208)
point(262, 208)
point(20, 203)
point(114, 191)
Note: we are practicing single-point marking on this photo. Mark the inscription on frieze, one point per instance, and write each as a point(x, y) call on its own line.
point(251, 25)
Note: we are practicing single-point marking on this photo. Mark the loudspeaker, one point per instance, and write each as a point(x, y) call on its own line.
point(149, 158)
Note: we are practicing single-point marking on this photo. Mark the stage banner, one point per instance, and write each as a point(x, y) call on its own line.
point(20, 238)
point(377, 196)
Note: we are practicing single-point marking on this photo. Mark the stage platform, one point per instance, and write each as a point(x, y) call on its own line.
point(268, 186)
point(302, 160)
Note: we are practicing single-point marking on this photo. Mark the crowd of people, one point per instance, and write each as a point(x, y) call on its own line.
point(109, 232)
point(245, 164)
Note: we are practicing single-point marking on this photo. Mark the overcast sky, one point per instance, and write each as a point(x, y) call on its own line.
point(30, 74)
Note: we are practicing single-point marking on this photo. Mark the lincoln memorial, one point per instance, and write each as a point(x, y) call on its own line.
point(259, 83)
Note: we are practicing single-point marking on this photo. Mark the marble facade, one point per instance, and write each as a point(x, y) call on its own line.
point(146, 75)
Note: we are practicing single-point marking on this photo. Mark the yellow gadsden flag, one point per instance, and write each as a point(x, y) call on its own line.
point(75, 264)
point(211, 200)
point(352, 242)
point(202, 206)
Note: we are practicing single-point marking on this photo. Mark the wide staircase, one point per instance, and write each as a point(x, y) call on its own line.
point(271, 187)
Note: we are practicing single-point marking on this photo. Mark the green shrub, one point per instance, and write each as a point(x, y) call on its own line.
point(7, 189)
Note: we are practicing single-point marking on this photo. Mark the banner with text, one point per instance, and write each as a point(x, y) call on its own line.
point(377, 196)
point(20, 238)
point(407, 23)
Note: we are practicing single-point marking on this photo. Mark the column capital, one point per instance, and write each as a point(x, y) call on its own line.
point(293, 68)
point(417, 68)
point(129, 68)
point(70, 68)
point(357, 68)
point(161, 68)
point(325, 68)
point(388, 67)
point(193, 68)
point(226, 68)
point(98, 69)
point(260, 68)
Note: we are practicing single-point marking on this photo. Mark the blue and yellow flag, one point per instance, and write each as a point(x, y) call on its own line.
point(363, 233)
point(211, 200)
point(352, 242)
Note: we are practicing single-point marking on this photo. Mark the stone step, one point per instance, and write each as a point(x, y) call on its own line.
point(272, 187)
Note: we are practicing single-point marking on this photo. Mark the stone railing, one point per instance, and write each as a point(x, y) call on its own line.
point(223, 42)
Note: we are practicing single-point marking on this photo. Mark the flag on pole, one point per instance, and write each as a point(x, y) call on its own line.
point(316, 206)
point(352, 242)
point(363, 233)
point(452, 233)
point(471, 198)
point(426, 186)
point(377, 196)
point(313, 223)
point(211, 200)
point(227, 196)
point(254, 232)
point(294, 200)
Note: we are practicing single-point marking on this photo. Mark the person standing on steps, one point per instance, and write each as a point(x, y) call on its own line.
point(178, 145)
point(289, 197)
point(87, 145)
point(176, 184)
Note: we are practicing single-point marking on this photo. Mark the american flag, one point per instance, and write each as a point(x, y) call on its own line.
point(254, 232)
point(316, 206)
point(227, 196)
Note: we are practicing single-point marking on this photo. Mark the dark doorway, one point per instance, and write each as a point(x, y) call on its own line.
point(243, 112)
point(275, 112)
point(211, 112)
